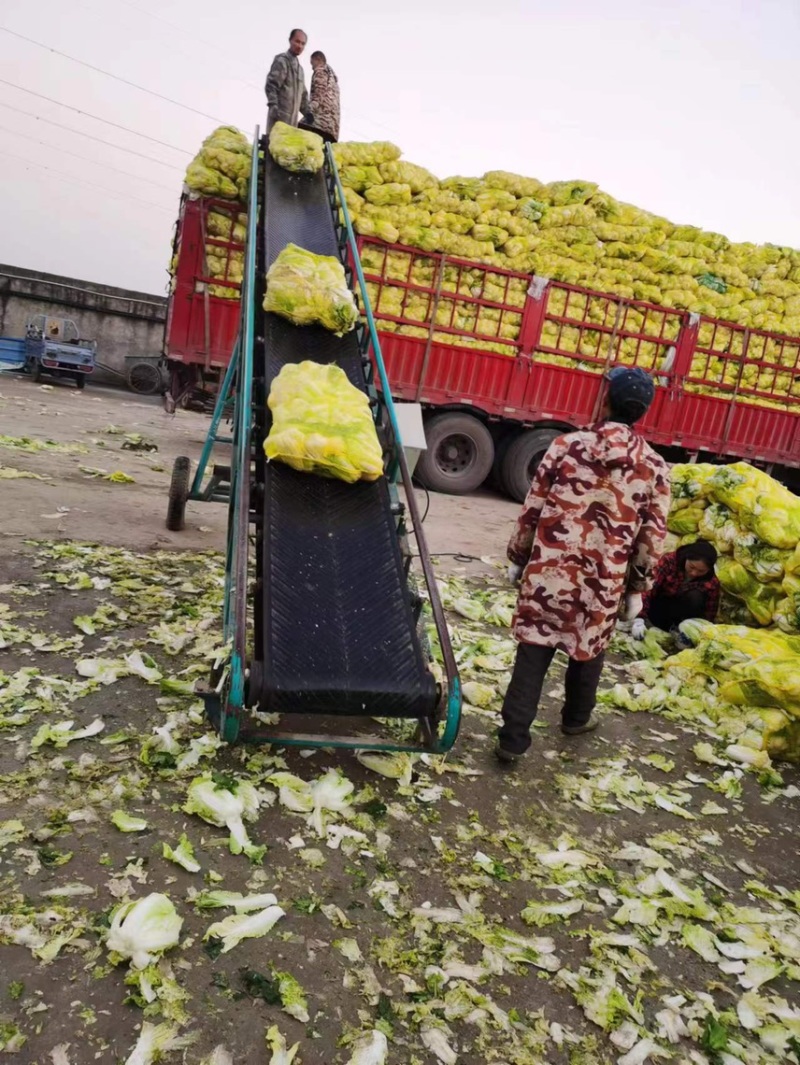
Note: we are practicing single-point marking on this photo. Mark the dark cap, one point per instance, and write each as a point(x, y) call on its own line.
point(630, 391)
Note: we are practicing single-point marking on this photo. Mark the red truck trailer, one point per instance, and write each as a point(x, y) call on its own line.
point(502, 363)
point(203, 304)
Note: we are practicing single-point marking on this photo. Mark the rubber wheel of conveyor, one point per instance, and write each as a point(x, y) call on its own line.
point(338, 632)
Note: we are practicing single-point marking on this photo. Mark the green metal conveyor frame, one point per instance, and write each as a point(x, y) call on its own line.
point(322, 621)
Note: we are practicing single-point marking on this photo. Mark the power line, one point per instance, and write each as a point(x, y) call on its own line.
point(108, 74)
point(87, 114)
point(242, 81)
point(75, 155)
point(89, 136)
point(88, 184)
point(182, 30)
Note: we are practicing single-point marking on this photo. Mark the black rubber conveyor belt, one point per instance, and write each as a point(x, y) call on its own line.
point(338, 632)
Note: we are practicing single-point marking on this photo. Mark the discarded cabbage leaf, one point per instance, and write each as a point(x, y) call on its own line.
point(277, 1044)
point(125, 823)
point(227, 803)
point(468, 608)
point(156, 1040)
point(398, 766)
point(519, 949)
point(293, 792)
point(11, 832)
point(62, 733)
point(143, 666)
point(143, 929)
point(371, 1048)
point(12, 1039)
point(349, 949)
point(434, 1039)
point(293, 998)
point(477, 694)
point(210, 900)
point(544, 913)
point(644, 1051)
point(182, 855)
point(218, 1056)
point(232, 930)
point(330, 794)
point(103, 670)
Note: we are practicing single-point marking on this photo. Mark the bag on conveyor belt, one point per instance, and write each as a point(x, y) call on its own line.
point(297, 150)
point(322, 424)
point(310, 289)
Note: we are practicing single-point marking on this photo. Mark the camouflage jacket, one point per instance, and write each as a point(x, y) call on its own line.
point(591, 529)
point(286, 90)
point(325, 101)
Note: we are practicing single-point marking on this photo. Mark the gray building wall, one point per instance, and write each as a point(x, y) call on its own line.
point(123, 322)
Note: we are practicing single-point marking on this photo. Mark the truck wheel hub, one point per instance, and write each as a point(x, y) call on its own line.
point(456, 454)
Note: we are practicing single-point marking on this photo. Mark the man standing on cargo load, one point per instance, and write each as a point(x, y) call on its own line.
point(286, 88)
point(589, 536)
point(325, 97)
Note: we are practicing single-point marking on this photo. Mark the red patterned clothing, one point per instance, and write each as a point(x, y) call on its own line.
point(591, 530)
point(670, 581)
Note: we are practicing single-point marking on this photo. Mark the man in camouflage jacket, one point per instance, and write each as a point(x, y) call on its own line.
point(325, 97)
point(590, 534)
point(286, 88)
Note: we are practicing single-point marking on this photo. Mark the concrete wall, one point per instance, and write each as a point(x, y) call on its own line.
point(122, 322)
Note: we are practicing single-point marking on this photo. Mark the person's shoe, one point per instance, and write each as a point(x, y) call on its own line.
point(577, 730)
point(506, 757)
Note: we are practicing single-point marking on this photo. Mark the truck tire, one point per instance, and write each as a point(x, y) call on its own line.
point(459, 455)
point(521, 459)
point(80, 381)
point(501, 446)
point(178, 494)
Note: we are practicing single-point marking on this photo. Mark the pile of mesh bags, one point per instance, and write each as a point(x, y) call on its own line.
point(573, 232)
point(751, 676)
point(222, 166)
point(492, 325)
point(754, 522)
point(297, 150)
point(740, 685)
point(309, 289)
point(225, 263)
point(322, 424)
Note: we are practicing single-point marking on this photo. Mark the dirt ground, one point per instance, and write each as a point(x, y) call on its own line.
point(466, 913)
point(69, 503)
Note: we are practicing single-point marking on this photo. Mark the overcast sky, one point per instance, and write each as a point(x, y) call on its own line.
point(689, 109)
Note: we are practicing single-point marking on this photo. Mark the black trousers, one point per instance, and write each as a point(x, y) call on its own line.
point(667, 611)
point(329, 137)
point(522, 698)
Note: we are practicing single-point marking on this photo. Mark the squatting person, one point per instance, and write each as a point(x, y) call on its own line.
point(684, 587)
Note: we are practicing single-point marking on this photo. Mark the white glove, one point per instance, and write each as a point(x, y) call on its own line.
point(632, 607)
point(515, 573)
point(638, 629)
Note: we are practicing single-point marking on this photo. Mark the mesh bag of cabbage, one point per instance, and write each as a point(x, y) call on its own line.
point(296, 149)
point(322, 424)
point(310, 289)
